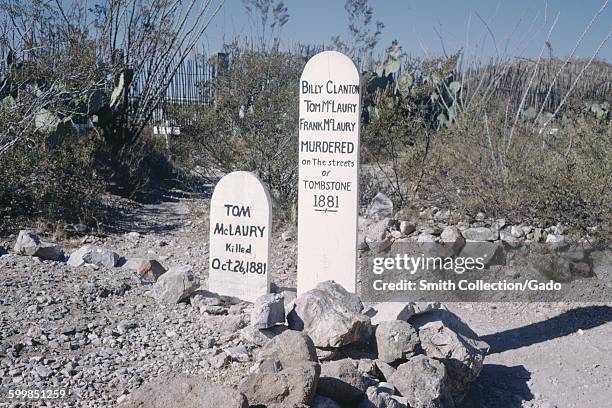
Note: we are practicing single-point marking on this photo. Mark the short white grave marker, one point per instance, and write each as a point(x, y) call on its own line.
point(240, 223)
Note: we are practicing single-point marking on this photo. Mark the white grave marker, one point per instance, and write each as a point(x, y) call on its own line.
point(330, 109)
point(240, 222)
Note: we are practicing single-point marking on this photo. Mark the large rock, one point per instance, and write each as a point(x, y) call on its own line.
point(268, 310)
point(448, 339)
point(422, 381)
point(185, 392)
point(29, 244)
point(396, 340)
point(92, 254)
point(286, 372)
point(351, 300)
point(342, 381)
point(377, 235)
point(481, 234)
point(452, 236)
point(330, 316)
point(289, 348)
point(175, 285)
point(381, 206)
point(274, 384)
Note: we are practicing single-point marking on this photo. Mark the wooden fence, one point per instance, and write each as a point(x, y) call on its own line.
point(512, 81)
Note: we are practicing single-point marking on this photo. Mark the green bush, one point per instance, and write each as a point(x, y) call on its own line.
point(564, 176)
point(253, 124)
point(51, 180)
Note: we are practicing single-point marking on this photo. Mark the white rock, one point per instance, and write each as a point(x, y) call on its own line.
point(481, 234)
point(268, 311)
point(92, 254)
point(29, 244)
point(175, 285)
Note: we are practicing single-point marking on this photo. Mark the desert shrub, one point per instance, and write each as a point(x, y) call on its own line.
point(401, 111)
point(253, 124)
point(52, 179)
point(136, 169)
point(536, 176)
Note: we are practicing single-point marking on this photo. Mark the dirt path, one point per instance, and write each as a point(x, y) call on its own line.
point(542, 354)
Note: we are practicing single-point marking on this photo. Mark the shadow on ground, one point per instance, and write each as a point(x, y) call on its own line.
point(502, 386)
point(566, 323)
point(159, 214)
point(499, 386)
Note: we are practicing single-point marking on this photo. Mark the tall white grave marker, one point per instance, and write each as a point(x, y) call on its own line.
point(240, 222)
point(330, 110)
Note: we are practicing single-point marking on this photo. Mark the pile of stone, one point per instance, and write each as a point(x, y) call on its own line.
point(381, 227)
point(327, 349)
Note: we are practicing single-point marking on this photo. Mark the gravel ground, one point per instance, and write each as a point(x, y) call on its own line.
point(96, 333)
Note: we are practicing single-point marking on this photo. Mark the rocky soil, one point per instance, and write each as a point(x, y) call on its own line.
point(100, 327)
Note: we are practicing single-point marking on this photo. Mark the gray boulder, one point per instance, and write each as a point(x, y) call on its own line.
point(30, 244)
point(378, 230)
point(132, 264)
point(175, 285)
point(185, 392)
point(259, 337)
point(330, 316)
point(377, 235)
point(509, 238)
point(273, 384)
point(342, 381)
point(268, 310)
point(289, 347)
point(422, 381)
point(381, 206)
point(407, 227)
point(452, 236)
point(462, 358)
point(92, 254)
point(445, 337)
point(351, 300)
point(481, 234)
point(396, 340)
point(378, 246)
point(286, 372)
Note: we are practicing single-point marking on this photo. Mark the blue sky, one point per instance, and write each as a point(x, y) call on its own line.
point(414, 24)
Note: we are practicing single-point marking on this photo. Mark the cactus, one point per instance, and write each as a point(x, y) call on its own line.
point(404, 84)
point(600, 109)
point(437, 97)
point(82, 110)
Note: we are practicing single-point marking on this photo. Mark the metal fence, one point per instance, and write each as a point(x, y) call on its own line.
point(189, 90)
